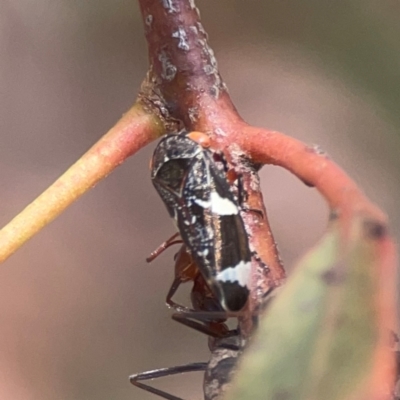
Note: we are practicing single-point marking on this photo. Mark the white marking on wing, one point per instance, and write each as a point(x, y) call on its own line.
point(239, 273)
point(202, 203)
point(219, 205)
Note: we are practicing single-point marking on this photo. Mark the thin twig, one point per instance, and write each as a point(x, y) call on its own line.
point(135, 129)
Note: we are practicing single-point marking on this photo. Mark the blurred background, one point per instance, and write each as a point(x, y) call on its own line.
point(80, 310)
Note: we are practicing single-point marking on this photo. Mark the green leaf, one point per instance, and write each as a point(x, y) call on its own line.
point(317, 340)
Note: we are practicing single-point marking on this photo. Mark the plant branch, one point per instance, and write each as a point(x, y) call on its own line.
point(183, 69)
point(313, 167)
point(134, 130)
point(185, 88)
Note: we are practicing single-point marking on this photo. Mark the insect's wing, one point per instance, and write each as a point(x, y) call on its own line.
point(214, 231)
point(170, 164)
point(199, 198)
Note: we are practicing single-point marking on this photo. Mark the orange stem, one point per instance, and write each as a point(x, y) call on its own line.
point(133, 131)
point(313, 167)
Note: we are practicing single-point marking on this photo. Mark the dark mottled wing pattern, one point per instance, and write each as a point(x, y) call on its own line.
point(199, 198)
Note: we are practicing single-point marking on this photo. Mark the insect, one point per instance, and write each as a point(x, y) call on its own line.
point(192, 182)
point(218, 371)
point(206, 316)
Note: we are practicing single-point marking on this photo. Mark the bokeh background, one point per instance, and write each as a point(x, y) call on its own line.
point(80, 309)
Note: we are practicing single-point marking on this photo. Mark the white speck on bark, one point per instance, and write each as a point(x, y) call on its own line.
point(181, 35)
point(168, 69)
point(170, 6)
point(148, 20)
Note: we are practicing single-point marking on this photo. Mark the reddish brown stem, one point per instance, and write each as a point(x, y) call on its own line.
point(183, 73)
point(384, 368)
point(185, 88)
point(311, 166)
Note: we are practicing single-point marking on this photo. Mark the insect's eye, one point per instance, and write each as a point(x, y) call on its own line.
point(173, 172)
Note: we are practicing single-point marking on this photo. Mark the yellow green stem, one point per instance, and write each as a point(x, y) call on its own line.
point(135, 129)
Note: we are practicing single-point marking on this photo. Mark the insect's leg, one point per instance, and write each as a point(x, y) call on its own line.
point(196, 321)
point(162, 372)
point(170, 303)
point(163, 246)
